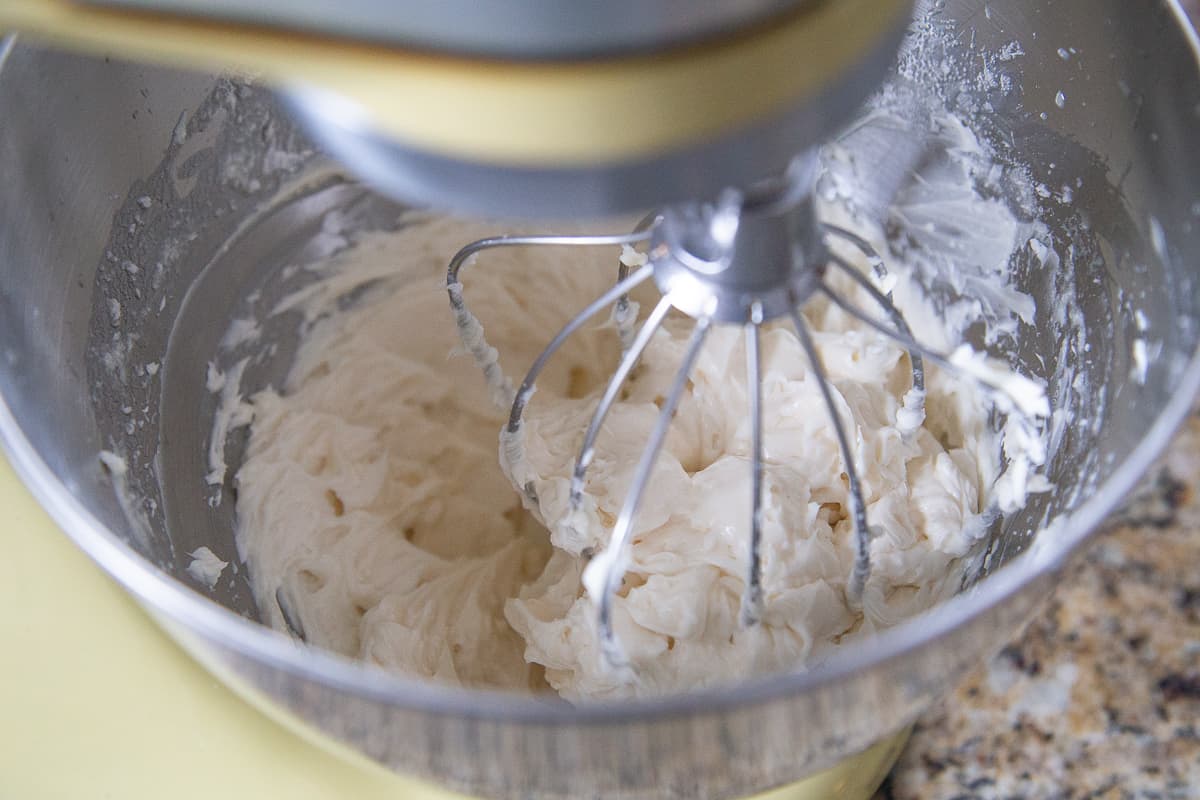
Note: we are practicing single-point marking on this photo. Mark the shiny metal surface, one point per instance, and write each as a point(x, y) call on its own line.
point(84, 141)
point(763, 248)
point(528, 29)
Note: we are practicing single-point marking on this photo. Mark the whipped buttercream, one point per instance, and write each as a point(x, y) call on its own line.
point(371, 505)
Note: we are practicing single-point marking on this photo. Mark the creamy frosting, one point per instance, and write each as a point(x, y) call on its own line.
point(677, 615)
point(372, 509)
point(206, 566)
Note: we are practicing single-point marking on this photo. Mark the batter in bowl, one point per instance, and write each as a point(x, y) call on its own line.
point(375, 519)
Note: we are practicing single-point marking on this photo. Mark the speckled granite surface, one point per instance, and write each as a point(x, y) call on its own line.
point(1101, 697)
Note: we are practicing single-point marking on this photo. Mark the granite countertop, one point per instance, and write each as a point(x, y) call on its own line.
point(1101, 696)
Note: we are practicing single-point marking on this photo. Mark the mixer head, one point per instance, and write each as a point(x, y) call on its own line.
point(532, 109)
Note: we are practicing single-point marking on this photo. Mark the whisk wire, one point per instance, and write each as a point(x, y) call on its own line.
point(471, 330)
point(906, 341)
point(872, 255)
point(576, 322)
point(897, 319)
point(624, 318)
point(629, 360)
point(610, 564)
point(858, 509)
point(752, 600)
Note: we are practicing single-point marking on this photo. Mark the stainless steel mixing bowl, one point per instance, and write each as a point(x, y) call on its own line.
point(141, 208)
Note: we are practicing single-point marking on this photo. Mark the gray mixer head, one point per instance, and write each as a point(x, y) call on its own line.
point(536, 108)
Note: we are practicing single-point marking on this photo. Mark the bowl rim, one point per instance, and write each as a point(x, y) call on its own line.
point(200, 615)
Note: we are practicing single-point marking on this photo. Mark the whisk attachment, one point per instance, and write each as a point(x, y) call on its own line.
point(748, 259)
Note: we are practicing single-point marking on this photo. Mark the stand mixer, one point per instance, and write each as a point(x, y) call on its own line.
point(549, 111)
point(575, 116)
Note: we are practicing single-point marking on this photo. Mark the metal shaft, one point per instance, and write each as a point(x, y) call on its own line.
point(752, 597)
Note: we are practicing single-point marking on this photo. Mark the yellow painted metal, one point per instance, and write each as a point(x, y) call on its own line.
point(521, 113)
point(96, 701)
